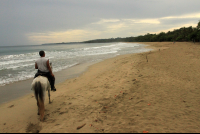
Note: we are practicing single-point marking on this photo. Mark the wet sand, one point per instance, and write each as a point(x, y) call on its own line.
point(151, 92)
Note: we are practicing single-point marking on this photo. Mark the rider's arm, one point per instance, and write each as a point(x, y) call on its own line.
point(36, 67)
point(48, 66)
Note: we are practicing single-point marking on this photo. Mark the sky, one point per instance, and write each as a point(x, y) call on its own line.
point(35, 22)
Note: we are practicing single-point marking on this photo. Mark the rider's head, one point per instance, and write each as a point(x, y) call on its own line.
point(42, 53)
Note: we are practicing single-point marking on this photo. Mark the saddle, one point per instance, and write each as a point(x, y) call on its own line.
point(40, 73)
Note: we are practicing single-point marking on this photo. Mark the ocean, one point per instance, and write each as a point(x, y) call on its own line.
point(17, 63)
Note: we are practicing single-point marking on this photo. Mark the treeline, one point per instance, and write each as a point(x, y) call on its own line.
point(182, 34)
point(106, 40)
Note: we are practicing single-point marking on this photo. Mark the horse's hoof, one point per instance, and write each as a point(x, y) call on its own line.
point(41, 120)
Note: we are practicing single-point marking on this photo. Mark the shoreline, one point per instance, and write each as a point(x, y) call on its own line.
point(156, 92)
point(15, 90)
point(30, 104)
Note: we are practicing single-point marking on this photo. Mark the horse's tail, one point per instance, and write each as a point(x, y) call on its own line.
point(39, 92)
point(40, 98)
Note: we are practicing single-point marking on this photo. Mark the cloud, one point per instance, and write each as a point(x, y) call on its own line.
point(74, 35)
point(149, 21)
point(185, 16)
point(103, 21)
point(107, 28)
point(35, 22)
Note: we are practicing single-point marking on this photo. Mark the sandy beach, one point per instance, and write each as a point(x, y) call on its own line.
point(151, 92)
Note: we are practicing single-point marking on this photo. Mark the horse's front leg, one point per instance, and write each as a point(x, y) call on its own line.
point(49, 96)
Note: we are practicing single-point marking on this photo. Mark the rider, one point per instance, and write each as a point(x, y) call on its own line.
point(44, 69)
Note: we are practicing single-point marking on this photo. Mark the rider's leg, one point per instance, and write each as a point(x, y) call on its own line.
point(52, 82)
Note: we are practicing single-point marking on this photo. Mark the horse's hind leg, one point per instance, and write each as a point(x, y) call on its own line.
point(42, 110)
point(38, 104)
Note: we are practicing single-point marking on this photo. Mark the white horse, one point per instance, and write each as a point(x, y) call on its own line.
point(40, 85)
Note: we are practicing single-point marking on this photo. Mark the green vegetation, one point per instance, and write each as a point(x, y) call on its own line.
point(182, 34)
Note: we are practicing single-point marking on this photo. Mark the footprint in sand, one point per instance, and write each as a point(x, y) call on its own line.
point(11, 106)
point(34, 128)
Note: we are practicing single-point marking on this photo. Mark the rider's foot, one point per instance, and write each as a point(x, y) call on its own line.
point(53, 89)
